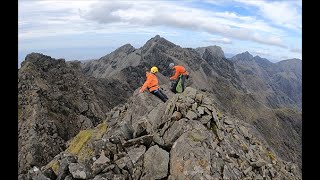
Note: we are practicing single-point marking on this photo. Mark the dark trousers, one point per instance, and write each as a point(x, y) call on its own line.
point(160, 95)
point(175, 83)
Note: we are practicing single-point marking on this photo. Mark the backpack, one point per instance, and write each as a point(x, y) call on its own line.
point(179, 85)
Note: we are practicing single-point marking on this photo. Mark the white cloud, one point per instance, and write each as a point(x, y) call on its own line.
point(220, 40)
point(167, 14)
point(39, 20)
point(296, 50)
point(261, 52)
point(283, 13)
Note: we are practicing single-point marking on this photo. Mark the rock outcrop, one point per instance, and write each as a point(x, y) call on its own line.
point(185, 138)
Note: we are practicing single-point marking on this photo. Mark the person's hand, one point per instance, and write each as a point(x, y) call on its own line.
point(140, 91)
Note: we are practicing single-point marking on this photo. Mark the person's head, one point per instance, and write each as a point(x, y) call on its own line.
point(171, 65)
point(154, 70)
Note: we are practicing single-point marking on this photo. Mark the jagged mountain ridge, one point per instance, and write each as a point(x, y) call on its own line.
point(206, 74)
point(185, 138)
point(278, 84)
point(246, 92)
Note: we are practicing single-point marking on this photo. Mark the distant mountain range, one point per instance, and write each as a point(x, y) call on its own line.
point(57, 99)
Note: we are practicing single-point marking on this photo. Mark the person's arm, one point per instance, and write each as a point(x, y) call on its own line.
point(176, 74)
point(145, 85)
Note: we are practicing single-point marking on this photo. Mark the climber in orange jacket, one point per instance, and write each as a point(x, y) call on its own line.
point(152, 84)
point(180, 72)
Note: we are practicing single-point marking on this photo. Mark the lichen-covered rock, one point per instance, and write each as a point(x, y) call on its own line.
point(80, 145)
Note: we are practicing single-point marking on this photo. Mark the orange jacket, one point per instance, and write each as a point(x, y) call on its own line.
point(151, 82)
point(178, 70)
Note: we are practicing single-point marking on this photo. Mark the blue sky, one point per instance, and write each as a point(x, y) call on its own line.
point(84, 29)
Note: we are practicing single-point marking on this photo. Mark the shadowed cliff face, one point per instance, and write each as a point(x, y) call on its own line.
point(185, 138)
point(57, 99)
point(278, 85)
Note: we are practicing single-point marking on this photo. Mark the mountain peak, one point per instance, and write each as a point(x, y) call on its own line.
point(160, 41)
point(127, 48)
point(216, 50)
point(245, 56)
point(157, 36)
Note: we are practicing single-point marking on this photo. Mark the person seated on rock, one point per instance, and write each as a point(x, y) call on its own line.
point(179, 78)
point(152, 84)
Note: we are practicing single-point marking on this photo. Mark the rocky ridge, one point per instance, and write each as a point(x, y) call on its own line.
point(185, 138)
point(277, 84)
point(242, 87)
point(55, 102)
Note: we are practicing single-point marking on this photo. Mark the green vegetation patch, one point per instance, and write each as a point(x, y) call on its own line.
point(54, 165)
point(79, 146)
point(271, 156)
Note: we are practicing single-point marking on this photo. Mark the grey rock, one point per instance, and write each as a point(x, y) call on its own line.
point(136, 153)
point(272, 172)
point(258, 163)
point(79, 171)
point(189, 101)
point(190, 92)
point(220, 135)
point(100, 177)
point(194, 107)
point(122, 162)
point(158, 140)
point(68, 177)
point(227, 174)
point(228, 122)
point(111, 147)
point(119, 177)
point(200, 110)
point(139, 127)
point(244, 131)
point(246, 172)
point(207, 101)
point(40, 176)
point(126, 130)
point(64, 163)
point(258, 177)
point(205, 119)
point(156, 162)
point(108, 168)
point(145, 140)
point(100, 163)
point(191, 115)
point(199, 98)
point(174, 132)
point(188, 157)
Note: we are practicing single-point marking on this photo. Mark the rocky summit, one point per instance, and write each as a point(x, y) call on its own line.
point(185, 138)
point(239, 118)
